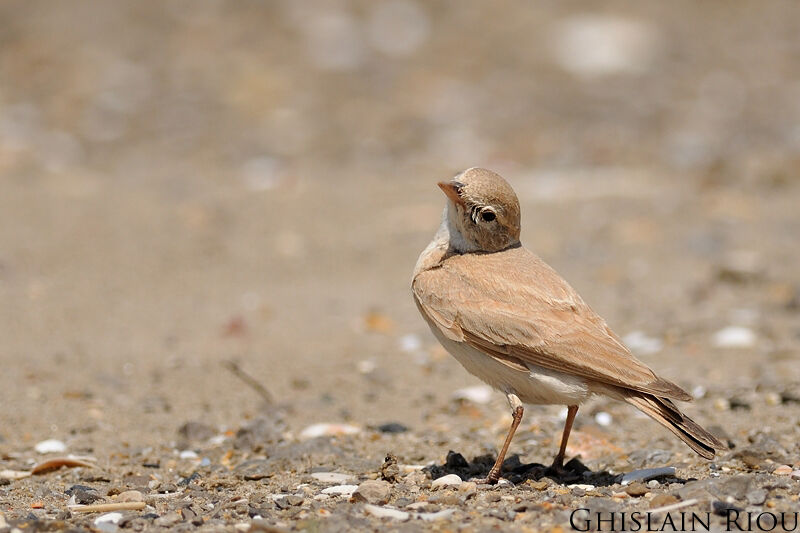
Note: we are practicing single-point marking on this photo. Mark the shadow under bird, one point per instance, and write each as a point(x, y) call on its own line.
point(513, 322)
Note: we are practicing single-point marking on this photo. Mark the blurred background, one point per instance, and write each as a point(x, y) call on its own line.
point(184, 183)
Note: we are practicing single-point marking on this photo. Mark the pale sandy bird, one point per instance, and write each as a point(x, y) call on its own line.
point(513, 322)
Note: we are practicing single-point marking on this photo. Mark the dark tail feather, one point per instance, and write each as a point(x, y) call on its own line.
point(667, 414)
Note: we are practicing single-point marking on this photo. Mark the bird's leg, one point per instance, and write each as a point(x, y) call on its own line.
point(516, 412)
point(558, 463)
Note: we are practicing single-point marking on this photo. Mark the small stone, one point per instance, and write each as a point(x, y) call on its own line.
point(194, 431)
point(757, 496)
point(386, 512)
point(341, 490)
point(478, 394)
point(392, 427)
point(130, 496)
point(50, 446)
point(772, 399)
point(439, 515)
point(653, 483)
point(795, 474)
point(390, 471)
point(168, 520)
point(450, 480)
point(376, 492)
point(636, 489)
point(328, 430)
point(647, 474)
point(538, 485)
point(332, 477)
point(294, 500)
point(109, 518)
point(603, 419)
point(84, 495)
point(783, 470)
point(734, 337)
point(188, 454)
point(468, 487)
point(722, 404)
point(642, 344)
point(661, 500)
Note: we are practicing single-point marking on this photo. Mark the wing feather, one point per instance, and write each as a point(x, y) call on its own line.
point(513, 306)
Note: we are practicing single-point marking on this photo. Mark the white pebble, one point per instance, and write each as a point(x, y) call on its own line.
point(328, 430)
point(734, 337)
point(366, 366)
point(432, 517)
point(699, 392)
point(796, 474)
point(647, 474)
point(188, 454)
point(50, 446)
point(478, 394)
point(410, 343)
point(603, 419)
point(597, 45)
point(450, 480)
point(341, 490)
point(642, 344)
point(332, 477)
point(108, 518)
point(581, 486)
point(386, 512)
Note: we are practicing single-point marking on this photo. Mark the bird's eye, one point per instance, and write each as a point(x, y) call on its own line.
point(488, 215)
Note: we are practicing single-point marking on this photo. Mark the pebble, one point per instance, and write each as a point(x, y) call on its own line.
point(130, 496)
point(796, 474)
point(188, 454)
point(603, 419)
point(642, 344)
point(589, 45)
point(168, 520)
point(734, 337)
point(373, 491)
point(332, 477)
point(50, 446)
point(439, 515)
point(757, 497)
point(783, 470)
point(450, 480)
point(468, 487)
point(341, 490)
point(328, 430)
point(108, 518)
point(386, 512)
point(478, 394)
point(647, 474)
point(636, 489)
point(661, 500)
point(410, 343)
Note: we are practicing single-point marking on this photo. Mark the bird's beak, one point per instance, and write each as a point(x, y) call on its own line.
point(452, 190)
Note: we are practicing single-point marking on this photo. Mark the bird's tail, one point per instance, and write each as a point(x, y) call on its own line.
point(668, 415)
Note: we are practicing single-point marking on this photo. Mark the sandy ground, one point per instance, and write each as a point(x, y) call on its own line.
point(192, 184)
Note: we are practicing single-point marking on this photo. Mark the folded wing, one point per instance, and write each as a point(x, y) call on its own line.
point(513, 306)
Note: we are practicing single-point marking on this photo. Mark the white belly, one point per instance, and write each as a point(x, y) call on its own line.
point(538, 386)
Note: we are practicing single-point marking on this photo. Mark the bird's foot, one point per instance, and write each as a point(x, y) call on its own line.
point(491, 479)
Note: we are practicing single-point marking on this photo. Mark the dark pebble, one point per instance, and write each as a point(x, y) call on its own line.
point(722, 508)
point(392, 427)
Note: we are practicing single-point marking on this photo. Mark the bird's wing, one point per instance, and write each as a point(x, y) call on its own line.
point(512, 305)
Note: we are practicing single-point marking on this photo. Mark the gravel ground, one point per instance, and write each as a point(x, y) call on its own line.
point(209, 214)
